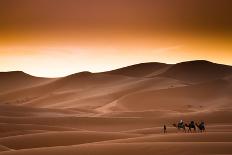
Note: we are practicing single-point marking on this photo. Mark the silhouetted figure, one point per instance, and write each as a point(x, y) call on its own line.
point(201, 126)
point(191, 126)
point(180, 125)
point(165, 129)
point(192, 123)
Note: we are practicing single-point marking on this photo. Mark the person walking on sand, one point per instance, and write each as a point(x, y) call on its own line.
point(165, 129)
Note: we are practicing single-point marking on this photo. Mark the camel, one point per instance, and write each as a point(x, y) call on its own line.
point(191, 126)
point(180, 126)
point(201, 127)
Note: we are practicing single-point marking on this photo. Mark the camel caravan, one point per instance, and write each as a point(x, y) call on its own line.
point(191, 127)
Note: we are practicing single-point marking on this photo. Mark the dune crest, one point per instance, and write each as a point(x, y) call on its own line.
point(118, 112)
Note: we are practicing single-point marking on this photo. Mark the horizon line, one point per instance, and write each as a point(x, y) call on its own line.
point(202, 60)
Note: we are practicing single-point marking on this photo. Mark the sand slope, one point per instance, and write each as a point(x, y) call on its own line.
point(11, 81)
point(49, 139)
point(132, 148)
point(118, 112)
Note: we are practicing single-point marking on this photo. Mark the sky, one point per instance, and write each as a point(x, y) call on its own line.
point(53, 38)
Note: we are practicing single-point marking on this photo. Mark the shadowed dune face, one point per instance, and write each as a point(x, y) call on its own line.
point(11, 81)
point(118, 112)
point(140, 70)
point(198, 71)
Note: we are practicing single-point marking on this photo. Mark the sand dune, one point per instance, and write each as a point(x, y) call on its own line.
point(193, 97)
point(61, 94)
point(195, 143)
point(118, 112)
point(141, 70)
point(50, 139)
point(10, 81)
point(4, 148)
point(133, 148)
point(179, 137)
point(198, 71)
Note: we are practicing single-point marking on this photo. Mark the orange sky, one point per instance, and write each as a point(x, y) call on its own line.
point(59, 37)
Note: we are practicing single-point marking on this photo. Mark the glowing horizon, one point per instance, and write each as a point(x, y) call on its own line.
point(49, 40)
point(59, 62)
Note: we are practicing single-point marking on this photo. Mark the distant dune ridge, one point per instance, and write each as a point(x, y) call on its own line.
point(10, 81)
point(118, 112)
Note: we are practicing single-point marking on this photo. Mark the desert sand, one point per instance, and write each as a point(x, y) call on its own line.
point(118, 112)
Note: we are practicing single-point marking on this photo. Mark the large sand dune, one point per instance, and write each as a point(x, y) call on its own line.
point(11, 81)
point(118, 112)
